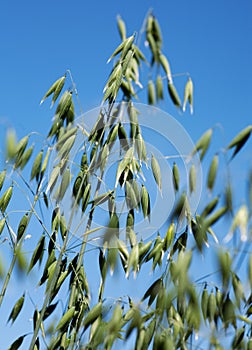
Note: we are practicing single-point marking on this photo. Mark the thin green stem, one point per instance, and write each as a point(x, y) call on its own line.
point(84, 242)
point(54, 279)
point(142, 30)
point(75, 91)
point(49, 293)
point(7, 278)
point(16, 247)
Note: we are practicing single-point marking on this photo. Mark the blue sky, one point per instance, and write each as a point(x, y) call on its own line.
point(210, 40)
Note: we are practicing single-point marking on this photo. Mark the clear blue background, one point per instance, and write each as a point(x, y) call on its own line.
point(209, 39)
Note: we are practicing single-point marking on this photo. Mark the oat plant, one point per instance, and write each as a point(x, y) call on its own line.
point(52, 193)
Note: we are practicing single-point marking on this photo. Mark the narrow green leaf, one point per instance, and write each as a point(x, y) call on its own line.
point(169, 237)
point(45, 161)
point(58, 89)
point(53, 178)
point(121, 27)
point(2, 224)
point(5, 199)
point(66, 135)
point(153, 291)
point(175, 177)
point(225, 262)
point(36, 165)
point(78, 186)
point(102, 265)
point(112, 256)
point(16, 309)
point(180, 243)
point(55, 222)
point(22, 226)
point(92, 315)
point(21, 146)
point(66, 147)
point(211, 306)
point(156, 31)
point(55, 88)
point(159, 88)
point(166, 66)
point(61, 280)
point(126, 63)
point(210, 207)
point(66, 319)
point(144, 249)
point(145, 202)
point(204, 303)
point(215, 216)
point(10, 143)
point(24, 159)
point(228, 312)
point(102, 198)
point(203, 143)
point(128, 157)
point(188, 95)
point(130, 196)
point(64, 104)
point(156, 171)
point(17, 343)
point(211, 176)
point(130, 219)
point(2, 178)
point(149, 333)
point(239, 140)
point(123, 138)
point(124, 47)
point(38, 253)
point(133, 260)
point(238, 289)
point(65, 182)
point(86, 197)
point(112, 231)
point(112, 135)
point(133, 115)
point(136, 323)
point(50, 274)
point(49, 310)
point(141, 148)
point(153, 46)
point(174, 95)
point(250, 270)
point(104, 157)
point(192, 179)
point(239, 335)
point(151, 93)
